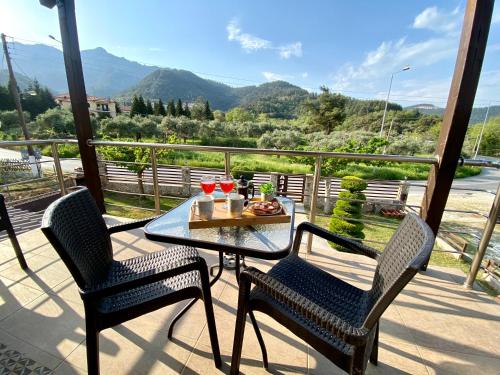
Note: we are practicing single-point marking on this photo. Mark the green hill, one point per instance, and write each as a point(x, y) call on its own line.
point(274, 98)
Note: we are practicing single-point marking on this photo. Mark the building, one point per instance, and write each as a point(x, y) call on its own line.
point(96, 105)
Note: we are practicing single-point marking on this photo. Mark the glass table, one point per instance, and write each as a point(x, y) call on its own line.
point(269, 241)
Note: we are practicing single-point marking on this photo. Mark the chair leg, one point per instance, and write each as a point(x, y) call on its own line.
point(92, 348)
point(239, 329)
point(209, 312)
point(17, 248)
point(260, 339)
point(374, 353)
point(178, 316)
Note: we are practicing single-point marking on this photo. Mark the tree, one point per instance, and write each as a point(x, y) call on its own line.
point(238, 114)
point(143, 110)
point(198, 109)
point(179, 111)
point(219, 115)
point(208, 113)
point(55, 122)
point(186, 128)
point(138, 155)
point(135, 108)
point(347, 211)
point(121, 126)
point(148, 127)
point(118, 108)
point(149, 108)
point(280, 140)
point(187, 111)
point(9, 123)
point(159, 108)
point(36, 99)
point(6, 102)
point(327, 112)
point(171, 108)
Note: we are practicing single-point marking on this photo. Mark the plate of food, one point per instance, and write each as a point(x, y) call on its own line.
point(267, 208)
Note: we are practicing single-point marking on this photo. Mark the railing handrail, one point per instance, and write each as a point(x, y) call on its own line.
point(242, 150)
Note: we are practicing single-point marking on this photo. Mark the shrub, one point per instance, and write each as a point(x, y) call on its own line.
point(347, 211)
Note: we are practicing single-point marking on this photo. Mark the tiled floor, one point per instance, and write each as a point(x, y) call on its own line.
point(433, 327)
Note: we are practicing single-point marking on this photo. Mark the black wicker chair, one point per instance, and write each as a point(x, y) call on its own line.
point(335, 318)
point(5, 224)
point(116, 291)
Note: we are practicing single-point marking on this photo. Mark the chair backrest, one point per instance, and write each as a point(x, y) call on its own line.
point(76, 229)
point(407, 251)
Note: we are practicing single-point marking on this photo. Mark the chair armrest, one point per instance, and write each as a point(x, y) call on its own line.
point(321, 317)
point(327, 235)
point(135, 280)
point(130, 225)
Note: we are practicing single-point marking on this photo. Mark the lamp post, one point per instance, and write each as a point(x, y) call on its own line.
point(388, 94)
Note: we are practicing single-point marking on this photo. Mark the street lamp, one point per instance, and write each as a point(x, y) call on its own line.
point(54, 38)
point(407, 67)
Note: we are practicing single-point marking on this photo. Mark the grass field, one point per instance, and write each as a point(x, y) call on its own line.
point(283, 164)
point(143, 206)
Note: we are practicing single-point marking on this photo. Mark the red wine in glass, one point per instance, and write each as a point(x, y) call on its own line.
point(226, 185)
point(207, 184)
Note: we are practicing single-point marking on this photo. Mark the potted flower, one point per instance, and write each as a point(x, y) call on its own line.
point(267, 191)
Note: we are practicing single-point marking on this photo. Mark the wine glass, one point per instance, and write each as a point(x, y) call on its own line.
point(226, 185)
point(207, 184)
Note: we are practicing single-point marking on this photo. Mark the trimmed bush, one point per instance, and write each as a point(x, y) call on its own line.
point(346, 212)
point(353, 184)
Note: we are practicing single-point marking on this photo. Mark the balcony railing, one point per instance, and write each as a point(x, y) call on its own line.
point(313, 194)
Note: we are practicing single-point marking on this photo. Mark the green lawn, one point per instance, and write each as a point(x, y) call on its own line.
point(143, 206)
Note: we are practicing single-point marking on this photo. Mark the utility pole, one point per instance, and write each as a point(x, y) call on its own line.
point(17, 98)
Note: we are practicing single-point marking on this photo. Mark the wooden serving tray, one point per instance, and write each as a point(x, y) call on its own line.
point(221, 217)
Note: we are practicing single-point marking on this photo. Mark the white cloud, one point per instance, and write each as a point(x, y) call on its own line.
point(304, 75)
point(250, 43)
point(392, 56)
point(373, 72)
point(247, 41)
point(438, 20)
point(289, 50)
point(270, 76)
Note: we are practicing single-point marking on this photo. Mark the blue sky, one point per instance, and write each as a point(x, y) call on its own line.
point(350, 46)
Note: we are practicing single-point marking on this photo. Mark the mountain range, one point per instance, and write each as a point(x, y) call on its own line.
point(111, 76)
point(108, 75)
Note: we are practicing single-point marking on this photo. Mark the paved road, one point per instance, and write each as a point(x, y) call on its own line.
point(488, 179)
point(66, 165)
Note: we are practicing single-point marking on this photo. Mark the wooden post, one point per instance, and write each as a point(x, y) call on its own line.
point(78, 95)
point(458, 109)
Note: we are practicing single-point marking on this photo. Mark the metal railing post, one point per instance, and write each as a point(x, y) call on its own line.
point(156, 186)
point(227, 164)
point(57, 165)
point(489, 227)
point(314, 200)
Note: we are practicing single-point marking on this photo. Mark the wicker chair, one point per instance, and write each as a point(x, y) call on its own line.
point(335, 318)
point(5, 224)
point(116, 291)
